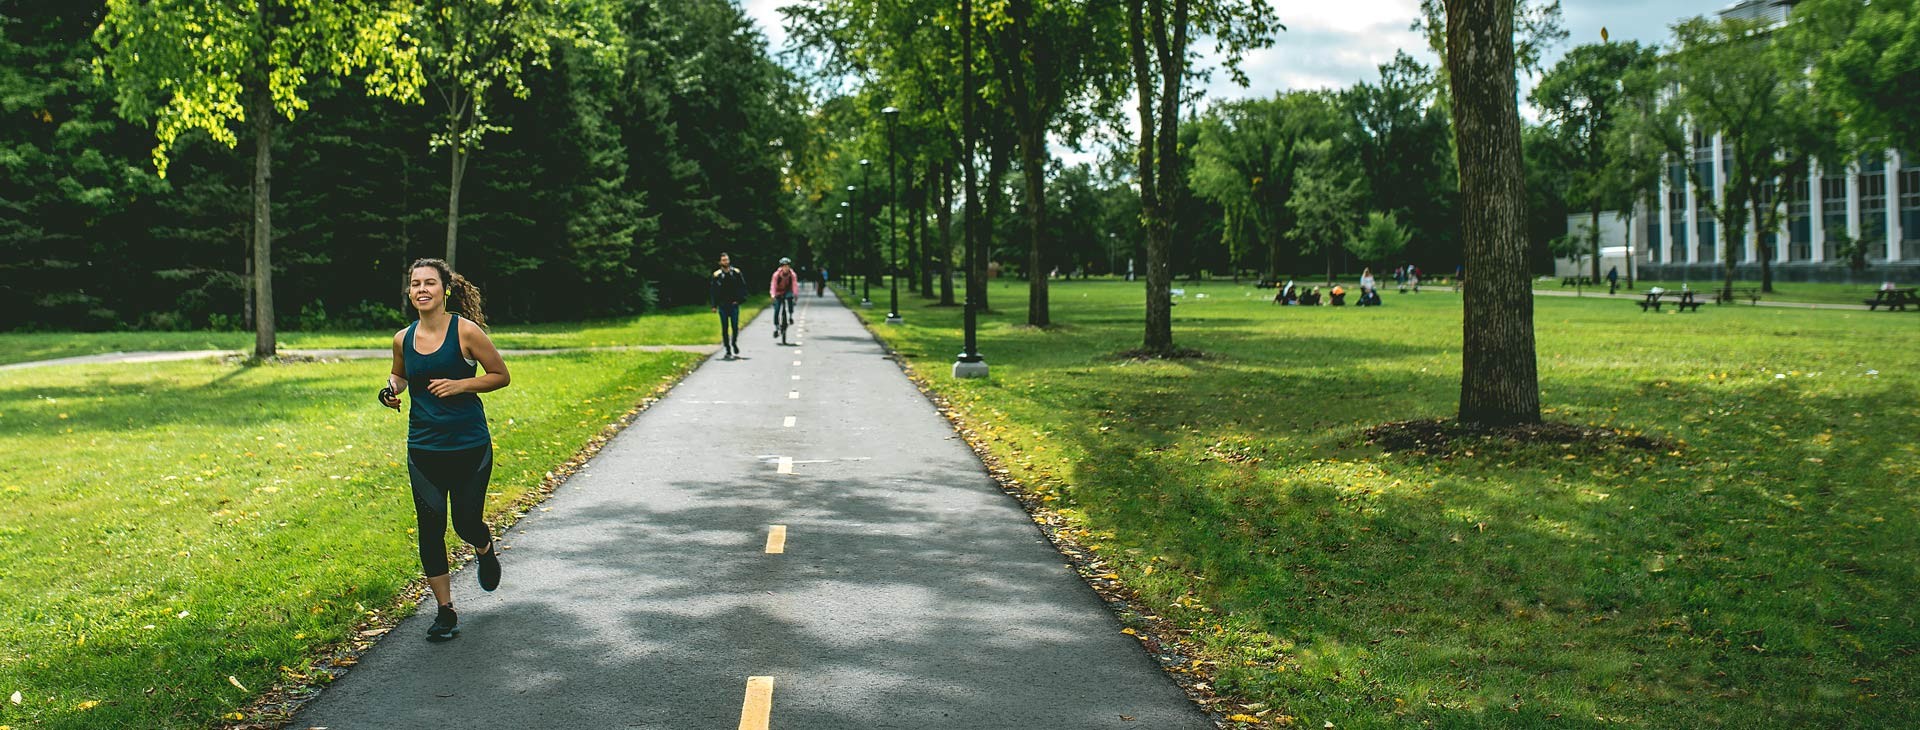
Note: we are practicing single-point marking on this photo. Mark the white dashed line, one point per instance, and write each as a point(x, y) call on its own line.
point(786, 465)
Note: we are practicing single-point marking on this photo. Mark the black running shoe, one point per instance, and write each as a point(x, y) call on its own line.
point(446, 625)
point(490, 568)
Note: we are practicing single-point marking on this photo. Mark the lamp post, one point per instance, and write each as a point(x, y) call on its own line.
point(846, 222)
point(970, 363)
point(893, 275)
point(866, 236)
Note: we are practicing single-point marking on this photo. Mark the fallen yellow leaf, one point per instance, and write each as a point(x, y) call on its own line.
point(233, 716)
point(88, 705)
point(1242, 718)
point(1130, 632)
point(236, 683)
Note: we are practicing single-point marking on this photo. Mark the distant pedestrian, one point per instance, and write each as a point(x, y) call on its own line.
point(1400, 279)
point(449, 448)
point(1613, 279)
point(820, 285)
point(726, 289)
point(1413, 277)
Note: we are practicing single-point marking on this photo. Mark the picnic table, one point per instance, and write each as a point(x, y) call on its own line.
point(1894, 299)
point(1682, 300)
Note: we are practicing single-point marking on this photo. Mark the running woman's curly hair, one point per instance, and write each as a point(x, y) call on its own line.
point(462, 295)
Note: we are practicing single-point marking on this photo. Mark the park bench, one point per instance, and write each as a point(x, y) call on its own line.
point(1751, 294)
point(1683, 300)
point(1894, 299)
point(1577, 281)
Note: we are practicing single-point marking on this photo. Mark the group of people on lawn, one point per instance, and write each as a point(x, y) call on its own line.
point(1291, 294)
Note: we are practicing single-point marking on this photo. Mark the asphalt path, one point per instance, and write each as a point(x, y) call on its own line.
point(907, 591)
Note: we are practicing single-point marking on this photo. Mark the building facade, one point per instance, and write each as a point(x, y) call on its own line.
point(1874, 200)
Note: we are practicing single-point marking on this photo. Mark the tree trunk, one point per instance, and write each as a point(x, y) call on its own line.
point(1626, 243)
point(263, 324)
point(1760, 243)
point(1158, 144)
point(459, 173)
point(1595, 222)
point(1499, 383)
point(1734, 231)
point(997, 163)
point(1033, 145)
point(943, 217)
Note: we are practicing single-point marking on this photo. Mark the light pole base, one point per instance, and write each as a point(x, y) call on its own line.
point(895, 319)
point(866, 304)
point(977, 369)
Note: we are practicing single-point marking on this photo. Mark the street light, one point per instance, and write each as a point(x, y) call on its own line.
point(970, 364)
point(846, 219)
point(893, 278)
point(866, 248)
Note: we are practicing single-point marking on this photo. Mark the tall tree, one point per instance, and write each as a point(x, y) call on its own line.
point(1399, 132)
point(1327, 195)
point(1055, 71)
point(1865, 65)
point(1499, 382)
point(1579, 100)
point(1158, 36)
point(1724, 79)
point(187, 65)
point(1246, 157)
point(468, 48)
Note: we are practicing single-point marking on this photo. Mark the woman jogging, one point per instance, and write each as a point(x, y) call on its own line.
point(449, 449)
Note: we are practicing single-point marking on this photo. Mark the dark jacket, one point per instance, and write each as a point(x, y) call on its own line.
point(726, 286)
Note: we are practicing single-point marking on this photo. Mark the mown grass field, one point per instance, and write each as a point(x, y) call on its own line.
point(166, 527)
point(677, 326)
point(1756, 571)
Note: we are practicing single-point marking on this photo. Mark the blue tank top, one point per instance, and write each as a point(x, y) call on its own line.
point(435, 423)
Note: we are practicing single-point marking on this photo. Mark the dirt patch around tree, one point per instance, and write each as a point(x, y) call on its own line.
point(1445, 437)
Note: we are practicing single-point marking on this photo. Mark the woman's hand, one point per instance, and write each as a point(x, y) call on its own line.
point(442, 388)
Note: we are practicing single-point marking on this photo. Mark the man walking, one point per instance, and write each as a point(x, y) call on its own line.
point(726, 289)
point(784, 288)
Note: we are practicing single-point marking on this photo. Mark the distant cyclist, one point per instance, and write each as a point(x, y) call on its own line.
point(449, 449)
point(784, 288)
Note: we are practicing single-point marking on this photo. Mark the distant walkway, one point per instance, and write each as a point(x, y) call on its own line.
point(1637, 296)
point(367, 354)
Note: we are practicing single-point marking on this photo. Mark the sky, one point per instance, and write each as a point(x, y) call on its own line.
point(1334, 44)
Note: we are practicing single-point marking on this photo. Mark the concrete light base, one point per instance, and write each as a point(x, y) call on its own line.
point(895, 319)
point(866, 304)
point(970, 369)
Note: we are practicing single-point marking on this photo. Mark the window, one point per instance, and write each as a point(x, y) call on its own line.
point(1873, 211)
point(1833, 207)
point(1910, 207)
point(1676, 213)
point(1704, 227)
point(1799, 226)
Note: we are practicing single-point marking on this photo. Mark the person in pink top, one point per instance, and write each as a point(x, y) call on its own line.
point(785, 289)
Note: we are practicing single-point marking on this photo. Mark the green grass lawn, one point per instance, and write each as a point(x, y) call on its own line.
point(164, 527)
point(1758, 571)
point(1783, 291)
point(677, 326)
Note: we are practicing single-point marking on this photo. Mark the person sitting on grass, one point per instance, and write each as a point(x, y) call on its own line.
point(1286, 295)
point(1339, 296)
point(1311, 298)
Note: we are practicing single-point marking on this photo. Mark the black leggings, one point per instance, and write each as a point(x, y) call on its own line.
point(440, 477)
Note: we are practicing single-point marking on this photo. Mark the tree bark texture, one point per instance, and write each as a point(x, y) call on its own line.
point(996, 197)
point(1033, 145)
point(1499, 382)
point(943, 218)
point(1159, 161)
point(263, 324)
point(459, 173)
